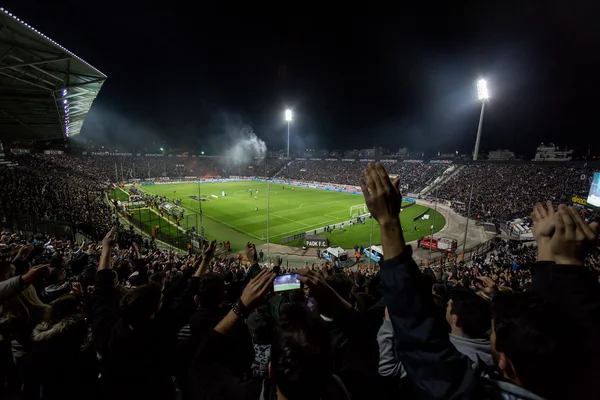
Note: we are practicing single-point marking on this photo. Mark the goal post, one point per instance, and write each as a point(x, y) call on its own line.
point(358, 210)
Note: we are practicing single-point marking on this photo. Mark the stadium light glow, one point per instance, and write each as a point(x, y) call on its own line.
point(202, 152)
point(482, 90)
point(288, 115)
point(482, 95)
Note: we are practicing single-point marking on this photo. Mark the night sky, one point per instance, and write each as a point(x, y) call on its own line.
point(189, 75)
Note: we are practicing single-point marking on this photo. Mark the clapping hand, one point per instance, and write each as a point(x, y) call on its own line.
point(573, 237)
point(382, 196)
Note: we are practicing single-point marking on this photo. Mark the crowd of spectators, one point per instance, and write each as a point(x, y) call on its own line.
point(502, 192)
point(122, 320)
point(42, 190)
point(416, 176)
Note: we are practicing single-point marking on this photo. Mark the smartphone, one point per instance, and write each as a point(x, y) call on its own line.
point(286, 282)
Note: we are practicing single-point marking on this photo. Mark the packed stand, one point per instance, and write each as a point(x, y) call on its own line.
point(124, 321)
point(416, 175)
point(41, 190)
point(503, 192)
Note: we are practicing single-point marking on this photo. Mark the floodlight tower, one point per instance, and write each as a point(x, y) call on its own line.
point(288, 118)
point(482, 95)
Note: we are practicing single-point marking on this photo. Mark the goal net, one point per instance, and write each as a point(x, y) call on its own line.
point(357, 211)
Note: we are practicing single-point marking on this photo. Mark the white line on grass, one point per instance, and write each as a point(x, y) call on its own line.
point(224, 223)
point(319, 203)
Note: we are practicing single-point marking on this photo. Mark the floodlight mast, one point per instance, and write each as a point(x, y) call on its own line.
point(482, 95)
point(288, 118)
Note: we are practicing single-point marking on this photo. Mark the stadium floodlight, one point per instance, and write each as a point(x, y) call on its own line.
point(288, 118)
point(202, 152)
point(482, 95)
point(482, 91)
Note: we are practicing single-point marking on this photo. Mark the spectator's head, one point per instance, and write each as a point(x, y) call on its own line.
point(7, 270)
point(211, 291)
point(301, 362)
point(228, 276)
point(277, 269)
point(62, 307)
point(141, 304)
point(468, 314)
point(528, 342)
point(360, 280)
point(159, 278)
point(341, 284)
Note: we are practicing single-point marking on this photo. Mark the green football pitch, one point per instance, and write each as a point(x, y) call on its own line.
point(290, 211)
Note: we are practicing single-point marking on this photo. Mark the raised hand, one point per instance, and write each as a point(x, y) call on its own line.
point(35, 273)
point(573, 237)
point(382, 196)
point(321, 291)
point(543, 228)
point(251, 253)
point(208, 251)
point(487, 285)
point(110, 239)
point(257, 289)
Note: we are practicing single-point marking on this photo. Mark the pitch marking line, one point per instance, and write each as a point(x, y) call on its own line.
point(319, 203)
point(224, 223)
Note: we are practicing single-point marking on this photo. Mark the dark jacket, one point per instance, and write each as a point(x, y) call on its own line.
point(214, 380)
point(435, 369)
point(135, 363)
point(63, 357)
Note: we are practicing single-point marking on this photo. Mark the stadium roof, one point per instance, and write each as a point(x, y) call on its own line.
point(45, 90)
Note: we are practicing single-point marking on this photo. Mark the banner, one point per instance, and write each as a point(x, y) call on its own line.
point(316, 241)
point(96, 153)
point(54, 152)
point(348, 159)
point(579, 200)
point(331, 159)
point(315, 159)
point(20, 151)
point(440, 162)
point(153, 155)
point(367, 160)
point(413, 161)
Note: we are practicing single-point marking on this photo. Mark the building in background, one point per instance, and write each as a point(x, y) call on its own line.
point(501, 155)
point(551, 152)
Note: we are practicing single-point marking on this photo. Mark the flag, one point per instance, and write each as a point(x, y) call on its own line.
point(44, 187)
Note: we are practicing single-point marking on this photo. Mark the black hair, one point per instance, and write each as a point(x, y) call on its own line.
point(360, 280)
point(341, 284)
point(473, 313)
point(141, 303)
point(301, 359)
point(528, 333)
point(211, 290)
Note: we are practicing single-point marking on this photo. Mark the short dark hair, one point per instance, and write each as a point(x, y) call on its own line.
point(301, 358)
point(139, 304)
point(211, 290)
point(527, 332)
point(473, 313)
point(341, 284)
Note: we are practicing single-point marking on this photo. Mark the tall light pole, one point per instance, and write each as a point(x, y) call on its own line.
point(288, 118)
point(482, 94)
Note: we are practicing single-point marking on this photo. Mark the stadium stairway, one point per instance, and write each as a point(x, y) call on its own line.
point(280, 170)
point(440, 180)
